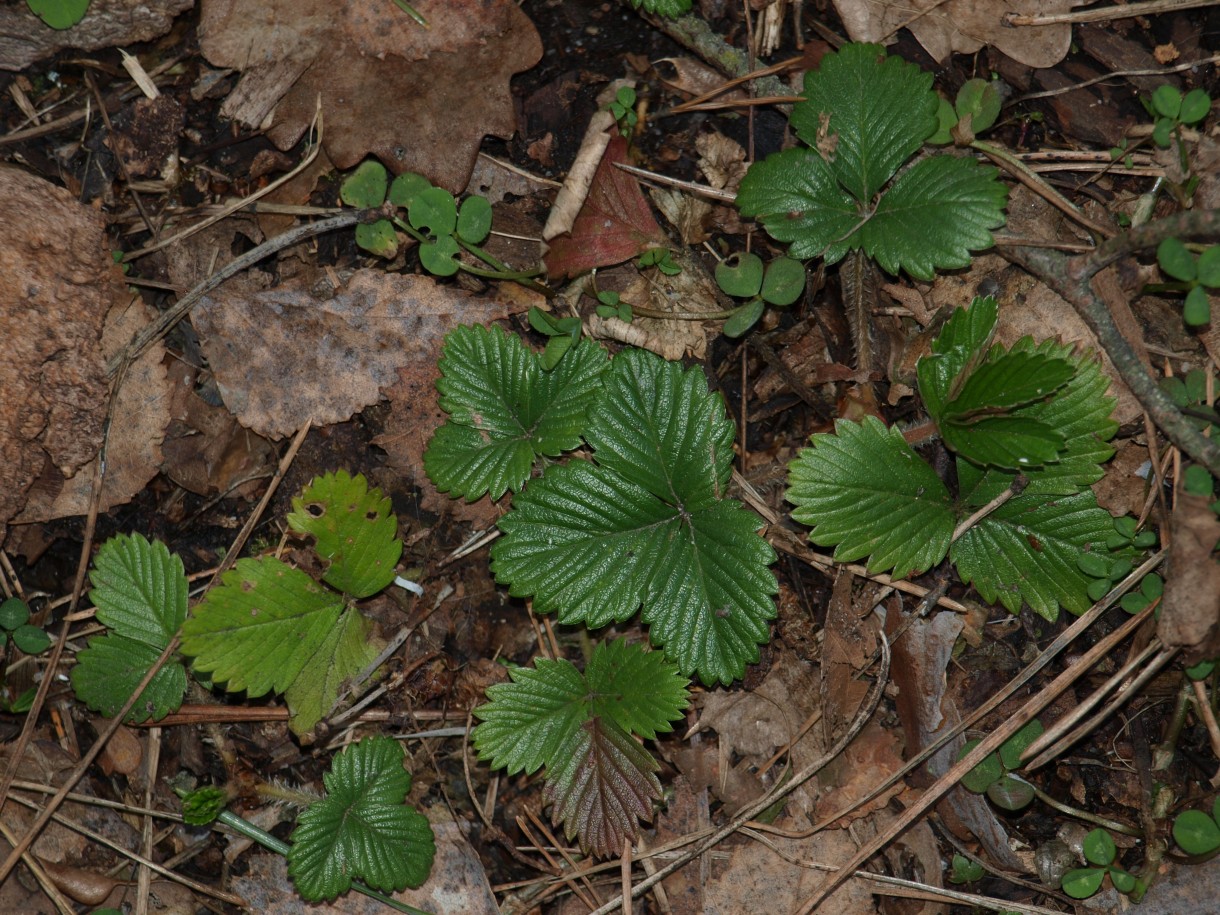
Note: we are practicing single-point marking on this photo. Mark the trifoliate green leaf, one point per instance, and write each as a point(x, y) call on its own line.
point(1026, 550)
point(864, 491)
point(505, 410)
point(1099, 847)
point(433, 210)
point(1082, 882)
point(30, 639)
point(647, 525)
point(406, 187)
point(602, 785)
point(935, 213)
point(14, 612)
point(1196, 832)
point(361, 830)
point(796, 196)
point(1011, 749)
point(261, 626)
point(988, 771)
point(354, 531)
point(347, 649)
point(1176, 260)
point(439, 257)
point(866, 113)
point(139, 589)
point(580, 727)
point(979, 100)
point(743, 318)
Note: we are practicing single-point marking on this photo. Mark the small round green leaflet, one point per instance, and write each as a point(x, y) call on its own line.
point(377, 238)
point(1196, 832)
point(438, 257)
point(31, 639)
point(366, 186)
point(1176, 260)
point(1010, 794)
point(1099, 848)
point(784, 281)
point(740, 276)
point(1083, 882)
point(1197, 309)
point(1167, 101)
point(979, 100)
point(59, 14)
point(1197, 481)
point(406, 188)
point(985, 774)
point(1201, 671)
point(744, 318)
point(13, 613)
point(434, 210)
point(474, 220)
point(1195, 106)
point(1208, 267)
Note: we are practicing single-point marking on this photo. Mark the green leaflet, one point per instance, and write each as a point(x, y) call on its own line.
point(581, 727)
point(671, 8)
point(863, 117)
point(354, 531)
point(139, 589)
point(647, 524)
point(362, 829)
point(865, 491)
point(505, 410)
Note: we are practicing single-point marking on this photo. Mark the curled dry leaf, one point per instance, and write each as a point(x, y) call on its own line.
point(963, 26)
point(59, 284)
point(419, 99)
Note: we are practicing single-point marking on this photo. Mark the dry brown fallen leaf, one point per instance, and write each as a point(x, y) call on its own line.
point(304, 351)
point(1190, 608)
point(138, 418)
point(24, 39)
point(419, 99)
point(59, 283)
point(963, 26)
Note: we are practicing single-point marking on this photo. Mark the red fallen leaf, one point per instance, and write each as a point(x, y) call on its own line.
point(613, 226)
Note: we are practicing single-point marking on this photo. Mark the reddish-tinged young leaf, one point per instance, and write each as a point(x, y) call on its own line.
point(602, 785)
point(614, 225)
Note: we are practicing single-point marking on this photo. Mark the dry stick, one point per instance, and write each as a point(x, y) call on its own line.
point(165, 872)
point(993, 740)
point(1072, 279)
point(1108, 13)
point(1163, 657)
point(781, 791)
point(144, 880)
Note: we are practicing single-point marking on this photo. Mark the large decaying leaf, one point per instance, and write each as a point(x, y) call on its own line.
point(505, 410)
point(353, 529)
point(283, 356)
point(139, 589)
point(647, 524)
point(420, 99)
point(863, 116)
point(362, 830)
point(580, 726)
point(867, 493)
